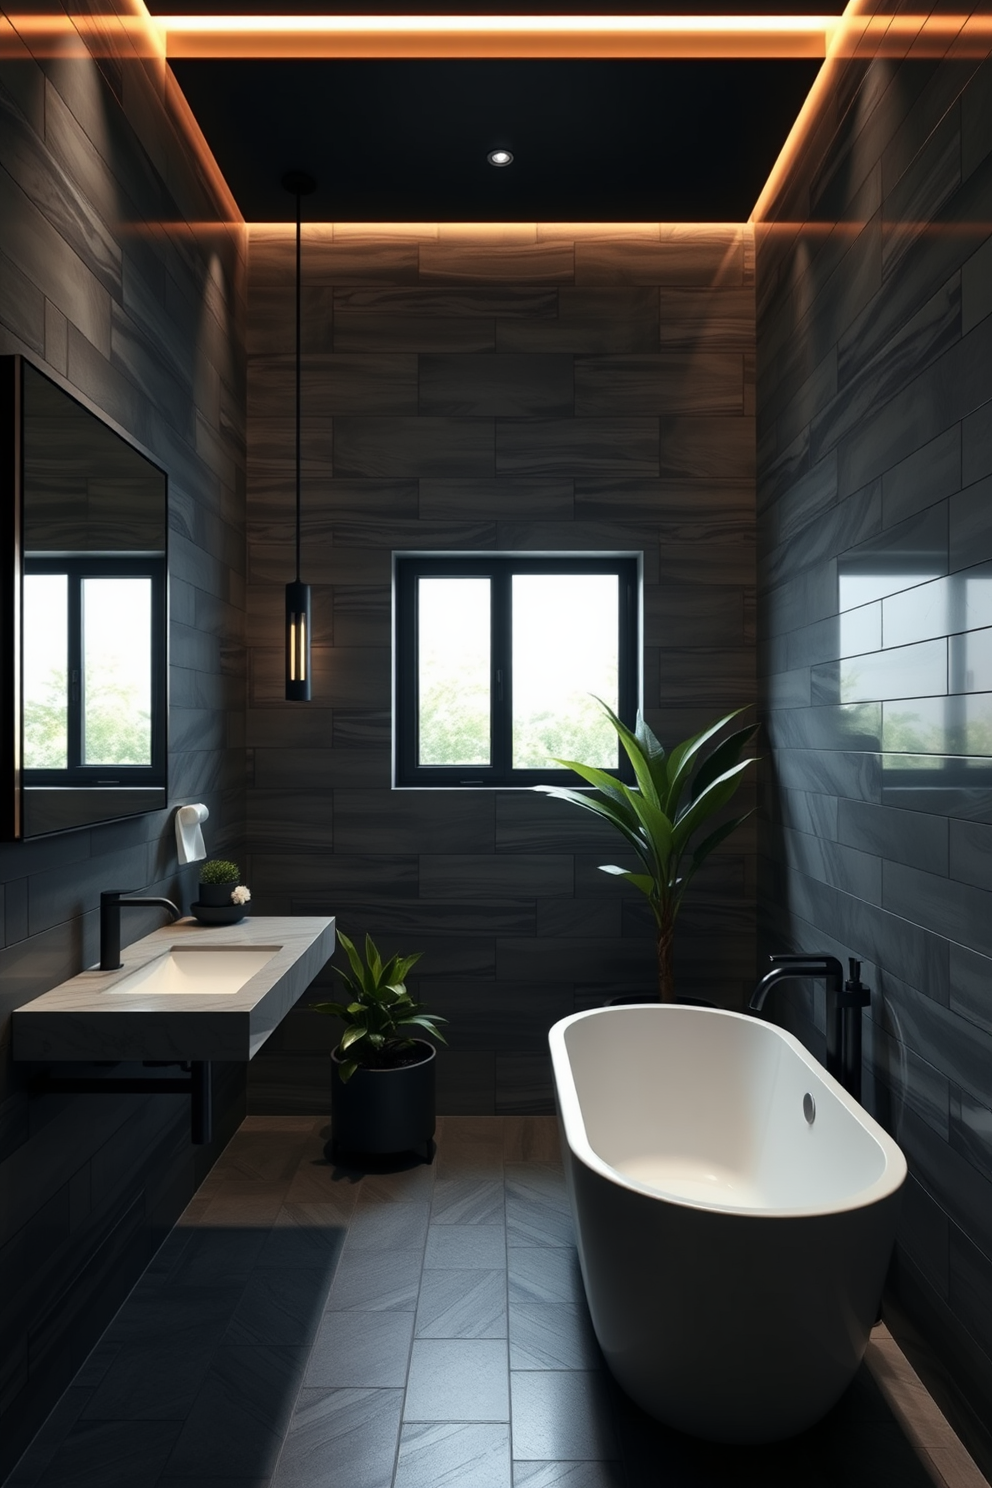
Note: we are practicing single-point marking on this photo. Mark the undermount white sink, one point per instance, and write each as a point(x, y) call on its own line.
point(209, 971)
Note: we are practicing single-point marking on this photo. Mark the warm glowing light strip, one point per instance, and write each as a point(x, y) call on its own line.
point(496, 36)
point(276, 36)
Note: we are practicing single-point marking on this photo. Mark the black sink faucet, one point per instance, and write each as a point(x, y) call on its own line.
point(112, 901)
point(844, 1003)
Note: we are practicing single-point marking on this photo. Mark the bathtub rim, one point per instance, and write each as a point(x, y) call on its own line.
point(888, 1183)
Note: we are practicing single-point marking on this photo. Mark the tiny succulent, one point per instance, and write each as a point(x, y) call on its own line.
point(378, 1009)
point(219, 871)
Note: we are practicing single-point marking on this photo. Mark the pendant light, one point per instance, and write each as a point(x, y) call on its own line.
point(298, 593)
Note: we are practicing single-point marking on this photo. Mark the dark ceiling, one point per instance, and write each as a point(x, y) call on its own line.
point(407, 141)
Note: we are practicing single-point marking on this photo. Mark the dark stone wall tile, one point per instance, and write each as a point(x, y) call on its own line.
point(959, 911)
point(971, 1131)
point(588, 320)
point(902, 672)
point(971, 986)
point(712, 383)
point(364, 330)
point(686, 510)
point(854, 872)
point(508, 386)
point(413, 446)
point(707, 318)
point(414, 821)
point(969, 538)
point(482, 875)
point(706, 448)
point(928, 475)
point(544, 446)
point(687, 256)
point(149, 329)
point(495, 457)
point(517, 498)
point(333, 383)
point(907, 420)
point(487, 263)
point(976, 444)
point(897, 836)
point(855, 727)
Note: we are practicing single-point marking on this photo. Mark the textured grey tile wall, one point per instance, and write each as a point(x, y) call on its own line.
point(119, 276)
point(874, 389)
point(517, 388)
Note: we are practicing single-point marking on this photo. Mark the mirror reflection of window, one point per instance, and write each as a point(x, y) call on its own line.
point(117, 671)
point(90, 689)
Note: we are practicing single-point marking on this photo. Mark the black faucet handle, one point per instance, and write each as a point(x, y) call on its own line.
point(855, 993)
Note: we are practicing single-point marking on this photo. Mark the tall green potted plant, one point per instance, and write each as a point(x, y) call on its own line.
point(663, 816)
point(382, 1091)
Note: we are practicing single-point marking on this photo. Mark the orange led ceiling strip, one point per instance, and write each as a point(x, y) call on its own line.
point(179, 37)
point(529, 36)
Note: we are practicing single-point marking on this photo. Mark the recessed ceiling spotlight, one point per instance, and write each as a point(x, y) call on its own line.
point(500, 157)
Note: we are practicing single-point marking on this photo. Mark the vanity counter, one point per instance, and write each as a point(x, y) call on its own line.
point(86, 1019)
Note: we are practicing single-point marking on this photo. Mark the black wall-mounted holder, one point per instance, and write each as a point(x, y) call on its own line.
point(196, 1084)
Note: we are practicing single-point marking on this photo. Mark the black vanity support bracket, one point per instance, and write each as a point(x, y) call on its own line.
point(197, 1085)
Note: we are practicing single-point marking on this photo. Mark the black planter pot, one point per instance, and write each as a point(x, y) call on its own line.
point(216, 896)
point(388, 1110)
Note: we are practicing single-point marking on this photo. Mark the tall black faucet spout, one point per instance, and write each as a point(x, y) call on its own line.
point(844, 1004)
point(112, 901)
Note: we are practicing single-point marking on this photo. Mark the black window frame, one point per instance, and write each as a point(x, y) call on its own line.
point(500, 568)
point(77, 568)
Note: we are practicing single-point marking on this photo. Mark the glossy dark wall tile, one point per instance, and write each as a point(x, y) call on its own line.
point(874, 400)
point(524, 389)
point(120, 276)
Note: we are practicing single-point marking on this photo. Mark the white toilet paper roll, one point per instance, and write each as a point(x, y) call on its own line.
point(189, 834)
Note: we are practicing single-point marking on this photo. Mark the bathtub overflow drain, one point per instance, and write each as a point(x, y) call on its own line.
point(809, 1108)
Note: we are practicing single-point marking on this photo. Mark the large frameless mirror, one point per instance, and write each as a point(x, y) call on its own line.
point(83, 612)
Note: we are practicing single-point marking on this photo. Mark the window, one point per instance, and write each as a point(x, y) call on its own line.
point(94, 684)
point(499, 660)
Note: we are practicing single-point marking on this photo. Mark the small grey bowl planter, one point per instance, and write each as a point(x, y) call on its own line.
point(384, 1110)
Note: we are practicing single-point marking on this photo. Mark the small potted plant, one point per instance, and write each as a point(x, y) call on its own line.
point(382, 1087)
point(222, 898)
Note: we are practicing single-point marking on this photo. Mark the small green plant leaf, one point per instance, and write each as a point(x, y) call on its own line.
point(379, 1006)
point(337, 1009)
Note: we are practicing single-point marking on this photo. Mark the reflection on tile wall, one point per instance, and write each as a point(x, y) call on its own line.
point(518, 389)
point(875, 534)
point(148, 323)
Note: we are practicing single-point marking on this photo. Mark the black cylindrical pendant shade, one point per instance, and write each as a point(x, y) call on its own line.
point(297, 593)
point(298, 642)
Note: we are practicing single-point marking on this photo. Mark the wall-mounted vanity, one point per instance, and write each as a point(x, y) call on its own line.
point(83, 614)
point(184, 995)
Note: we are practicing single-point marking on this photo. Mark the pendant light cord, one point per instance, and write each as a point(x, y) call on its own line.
point(298, 444)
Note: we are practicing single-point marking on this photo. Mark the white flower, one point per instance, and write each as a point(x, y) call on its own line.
point(240, 895)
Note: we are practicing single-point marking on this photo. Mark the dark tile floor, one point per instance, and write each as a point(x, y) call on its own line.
point(425, 1327)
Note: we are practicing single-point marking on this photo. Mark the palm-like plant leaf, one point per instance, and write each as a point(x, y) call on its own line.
point(681, 758)
point(724, 757)
point(642, 881)
point(652, 818)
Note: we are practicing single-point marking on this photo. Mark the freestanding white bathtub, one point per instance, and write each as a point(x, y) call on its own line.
point(735, 1211)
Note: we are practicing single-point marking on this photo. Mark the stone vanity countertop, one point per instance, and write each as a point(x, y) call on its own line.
point(84, 1019)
